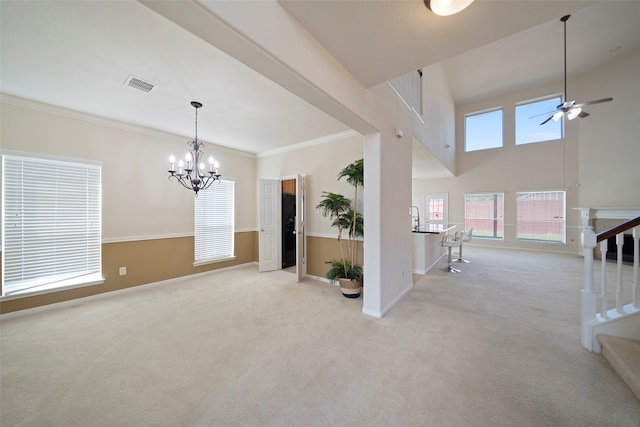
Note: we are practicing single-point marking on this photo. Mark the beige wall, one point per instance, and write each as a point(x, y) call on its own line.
point(147, 219)
point(138, 199)
point(321, 249)
point(610, 138)
point(321, 164)
point(147, 261)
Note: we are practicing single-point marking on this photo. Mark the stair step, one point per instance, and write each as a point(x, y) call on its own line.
point(624, 357)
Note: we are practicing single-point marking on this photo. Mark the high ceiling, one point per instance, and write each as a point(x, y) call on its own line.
point(78, 54)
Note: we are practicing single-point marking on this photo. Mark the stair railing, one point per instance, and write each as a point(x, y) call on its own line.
point(590, 311)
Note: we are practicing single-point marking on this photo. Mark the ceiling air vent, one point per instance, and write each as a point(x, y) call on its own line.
point(139, 84)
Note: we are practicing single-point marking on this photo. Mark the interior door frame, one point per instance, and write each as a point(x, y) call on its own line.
point(301, 214)
point(301, 224)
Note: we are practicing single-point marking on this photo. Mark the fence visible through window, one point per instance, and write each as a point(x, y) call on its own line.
point(484, 213)
point(541, 216)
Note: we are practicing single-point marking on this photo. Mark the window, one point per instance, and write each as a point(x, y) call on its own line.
point(437, 208)
point(483, 130)
point(541, 216)
point(51, 224)
point(214, 222)
point(484, 213)
point(529, 115)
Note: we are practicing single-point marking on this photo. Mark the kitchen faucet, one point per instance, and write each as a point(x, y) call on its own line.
point(416, 218)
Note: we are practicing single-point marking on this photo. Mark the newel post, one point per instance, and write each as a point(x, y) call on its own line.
point(589, 297)
point(636, 267)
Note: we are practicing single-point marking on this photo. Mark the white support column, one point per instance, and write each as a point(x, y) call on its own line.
point(619, 291)
point(589, 297)
point(387, 195)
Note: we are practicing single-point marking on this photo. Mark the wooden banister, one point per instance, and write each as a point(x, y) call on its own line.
point(613, 231)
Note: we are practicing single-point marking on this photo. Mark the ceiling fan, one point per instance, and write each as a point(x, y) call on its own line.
point(571, 109)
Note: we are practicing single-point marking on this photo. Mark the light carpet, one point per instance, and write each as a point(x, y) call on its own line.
point(496, 345)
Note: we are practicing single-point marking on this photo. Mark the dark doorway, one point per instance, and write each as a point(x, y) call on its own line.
point(288, 223)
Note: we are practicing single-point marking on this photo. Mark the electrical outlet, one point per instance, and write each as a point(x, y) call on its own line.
point(123, 271)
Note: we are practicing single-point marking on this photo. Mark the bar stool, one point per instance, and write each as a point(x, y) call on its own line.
point(450, 241)
point(466, 237)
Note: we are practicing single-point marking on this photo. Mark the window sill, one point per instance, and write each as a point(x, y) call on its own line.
point(47, 289)
point(213, 261)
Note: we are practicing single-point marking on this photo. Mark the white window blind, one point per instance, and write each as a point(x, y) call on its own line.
point(214, 222)
point(51, 223)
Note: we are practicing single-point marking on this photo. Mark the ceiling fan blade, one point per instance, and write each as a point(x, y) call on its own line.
point(598, 101)
point(551, 117)
point(583, 114)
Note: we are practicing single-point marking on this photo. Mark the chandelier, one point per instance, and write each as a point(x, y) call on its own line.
point(194, 176)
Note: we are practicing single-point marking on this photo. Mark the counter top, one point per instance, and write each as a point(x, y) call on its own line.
point(433, 229)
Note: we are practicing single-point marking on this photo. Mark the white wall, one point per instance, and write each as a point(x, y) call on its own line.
point(438, 134)
point(597, 162)
point(550, 165)
point(138, 199)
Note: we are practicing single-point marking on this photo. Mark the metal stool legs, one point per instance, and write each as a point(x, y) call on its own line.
point(450, 267)
point(460, 259)
point(466, 237)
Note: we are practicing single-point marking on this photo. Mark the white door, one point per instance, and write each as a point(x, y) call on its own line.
point(301, 235)
point(437, 208)
point(269, 235)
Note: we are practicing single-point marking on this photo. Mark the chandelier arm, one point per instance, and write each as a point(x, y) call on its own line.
point(210, 180)
point(180, 180)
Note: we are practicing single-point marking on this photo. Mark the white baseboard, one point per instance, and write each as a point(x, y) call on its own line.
point(385, 310)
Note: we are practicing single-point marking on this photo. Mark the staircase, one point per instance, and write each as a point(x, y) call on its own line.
point(619, 286)
point(624, 357)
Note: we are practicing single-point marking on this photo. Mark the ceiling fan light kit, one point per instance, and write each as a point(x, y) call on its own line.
point(447, 7)
point(570, 109)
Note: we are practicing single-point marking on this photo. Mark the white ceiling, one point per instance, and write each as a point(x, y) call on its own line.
point(492, 47)
point(78, 54)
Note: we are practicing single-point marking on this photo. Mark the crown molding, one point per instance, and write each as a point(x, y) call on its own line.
point(31, 104)
point(310, 143)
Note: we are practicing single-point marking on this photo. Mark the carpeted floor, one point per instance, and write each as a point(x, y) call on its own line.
point(496, 345)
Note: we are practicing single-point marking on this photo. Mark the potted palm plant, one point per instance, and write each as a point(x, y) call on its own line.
point(344, 216)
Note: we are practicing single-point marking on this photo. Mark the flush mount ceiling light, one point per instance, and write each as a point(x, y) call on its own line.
point(446, 7)
point(194, 176)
